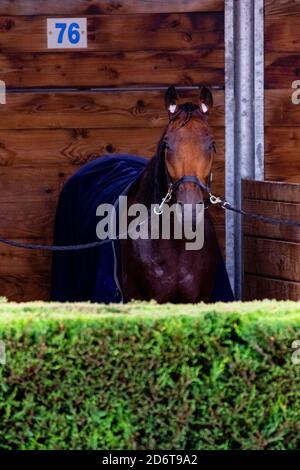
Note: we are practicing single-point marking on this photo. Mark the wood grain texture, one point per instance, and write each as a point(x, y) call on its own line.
point(107, 7)
point(95, 110)
point(119, 33)
point(34, 220)
point(271, 252)
point(279, 109)
point(24, 274)
point(282, 69)
point(45, 137)
point(282, 117)
point(282, 161)
point(271, 191)
point(42, 149)
point(281, 8)
point(272, 258)
point(35, 164)
point(19, 287)
point(279, 210)
point(12, 259)
point(282, 33)
point(113, 69)
point(258, 288)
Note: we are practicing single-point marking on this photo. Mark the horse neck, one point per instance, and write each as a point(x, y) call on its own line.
point(151, 186)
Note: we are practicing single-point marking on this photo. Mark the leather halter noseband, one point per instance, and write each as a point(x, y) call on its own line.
point(175, 185)
point(192, 179)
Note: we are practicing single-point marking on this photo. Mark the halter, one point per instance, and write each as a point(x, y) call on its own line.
point(175, 185)
point(192, 179)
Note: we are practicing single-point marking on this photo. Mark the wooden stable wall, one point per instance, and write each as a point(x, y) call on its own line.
point(282, 67)
point(55, 121)
point(272, 252)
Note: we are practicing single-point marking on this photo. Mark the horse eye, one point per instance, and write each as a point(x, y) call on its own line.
point(213, 146)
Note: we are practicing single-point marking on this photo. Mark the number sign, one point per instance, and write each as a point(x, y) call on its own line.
point(66, 33)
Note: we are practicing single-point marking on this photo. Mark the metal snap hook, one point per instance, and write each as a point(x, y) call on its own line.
point(214, 199)
point(158, 210)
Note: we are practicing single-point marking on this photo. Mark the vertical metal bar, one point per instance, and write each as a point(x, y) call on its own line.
point(230, 137)
point(244, 117)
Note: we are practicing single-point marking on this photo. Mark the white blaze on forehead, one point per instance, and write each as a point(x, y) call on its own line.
point(204, 107)
point(172, 108)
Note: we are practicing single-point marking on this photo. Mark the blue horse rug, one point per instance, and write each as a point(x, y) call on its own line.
point(94, 274)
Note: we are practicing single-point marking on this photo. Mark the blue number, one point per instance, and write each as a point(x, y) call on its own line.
point(73, 34)
point(62, 27)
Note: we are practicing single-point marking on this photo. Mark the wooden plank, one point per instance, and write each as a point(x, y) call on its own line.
point(174, 31)
point(21, 149)
point(279, 210)
point(279, 109)
point(133, 109)
point(275, 8)
point(65, 148)
point(34, 221)
point(40, 185)
point(113, 69)
point(30, 182)
point(107, 7)
point(21, 288)
point(272, 258)
point(258, 288)
point(281, 69)
point(19, 260)
point(24, 274)
point(282, 33)
point(271, 191)
point(28, 220)
point(282, 155)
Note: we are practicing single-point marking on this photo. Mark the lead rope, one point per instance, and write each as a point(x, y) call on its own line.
point(214, 200)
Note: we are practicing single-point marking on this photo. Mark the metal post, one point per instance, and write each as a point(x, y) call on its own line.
point(244, 135)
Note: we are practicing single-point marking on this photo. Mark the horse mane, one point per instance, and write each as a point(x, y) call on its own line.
point(155, 181)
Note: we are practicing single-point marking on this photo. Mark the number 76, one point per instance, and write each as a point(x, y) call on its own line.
point(73, 33)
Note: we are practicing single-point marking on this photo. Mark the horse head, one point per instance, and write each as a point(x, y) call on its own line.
point(188, 145)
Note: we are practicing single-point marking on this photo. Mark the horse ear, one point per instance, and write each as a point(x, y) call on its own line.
point(171, 99)
point(205, 99)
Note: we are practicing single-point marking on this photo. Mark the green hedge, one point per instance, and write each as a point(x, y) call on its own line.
point(143, 376)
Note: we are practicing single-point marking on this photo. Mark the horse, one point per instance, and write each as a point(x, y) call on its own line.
point(162, 269)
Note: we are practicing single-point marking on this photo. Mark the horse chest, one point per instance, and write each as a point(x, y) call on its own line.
point(162, 271)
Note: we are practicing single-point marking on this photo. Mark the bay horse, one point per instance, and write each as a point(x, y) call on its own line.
point(163, 269)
